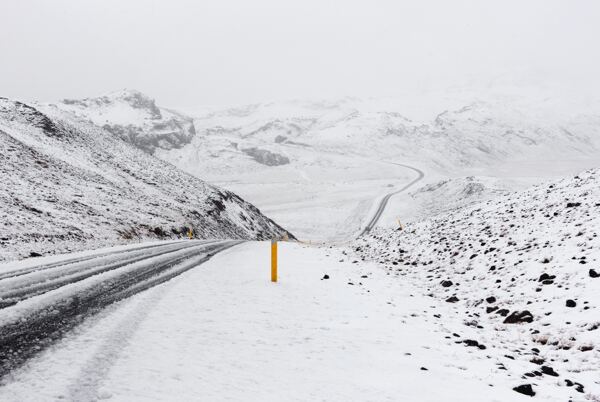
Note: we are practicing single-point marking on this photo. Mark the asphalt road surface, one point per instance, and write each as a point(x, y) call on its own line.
point(53, 298)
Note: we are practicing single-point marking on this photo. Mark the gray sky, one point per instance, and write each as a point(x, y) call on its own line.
point(188, 53)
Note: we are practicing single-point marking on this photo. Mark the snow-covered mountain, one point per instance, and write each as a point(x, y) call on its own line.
point(522, 270)
point(68, 185)
point(135, 118)
point(306, 162)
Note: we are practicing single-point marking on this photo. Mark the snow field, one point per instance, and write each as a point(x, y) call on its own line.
point(223, 331)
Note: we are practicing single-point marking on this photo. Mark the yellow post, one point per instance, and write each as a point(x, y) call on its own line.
point(190, 233)
point(400, 224)
point(273, 260)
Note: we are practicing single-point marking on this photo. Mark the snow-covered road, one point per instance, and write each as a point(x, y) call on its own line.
point(225, 332)
point(40, 303)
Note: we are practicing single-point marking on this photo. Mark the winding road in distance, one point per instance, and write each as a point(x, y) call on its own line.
point(383, 203)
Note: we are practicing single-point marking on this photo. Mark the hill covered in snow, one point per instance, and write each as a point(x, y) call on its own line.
point(68, 185)
point(135, 118)
point(523, 273)
point(309, 162)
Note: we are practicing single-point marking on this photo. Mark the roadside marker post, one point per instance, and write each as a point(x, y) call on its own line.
point(190, 233)
point(273, 260)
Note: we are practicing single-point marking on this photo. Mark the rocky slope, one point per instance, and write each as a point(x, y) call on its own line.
point(523, 272)
point(135, 118)
point(70, 185)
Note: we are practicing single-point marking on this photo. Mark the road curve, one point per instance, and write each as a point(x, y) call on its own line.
point(383, 203)
point(40, 304)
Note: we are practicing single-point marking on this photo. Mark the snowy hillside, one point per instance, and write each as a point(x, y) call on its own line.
point(135, 118)
point(332, 152)
point(69, 185)
point(467, 132)
point(523, 274)
point(306, 162)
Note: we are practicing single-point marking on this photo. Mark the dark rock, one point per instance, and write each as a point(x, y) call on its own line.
point(325, 277)
point(503, 312)
point(549, 371)
point(424, 368)
point(447, 284)
point(570, 303)
point(573, 204)
point(452, 299)
point(594, 274)
point(525, 389)
point(266, 157)
point(34, 254)
point(546, 277)
point(491, 299)
point(518, 317)
point(474, 343)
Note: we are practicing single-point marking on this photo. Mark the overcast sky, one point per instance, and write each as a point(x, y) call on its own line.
point(188, 53)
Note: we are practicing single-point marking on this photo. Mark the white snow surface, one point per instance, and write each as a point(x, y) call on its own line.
point(535, 251)
point(135, 118)
point(69, 185)
point(337, 149)
point(319, 167)
point(223, 331)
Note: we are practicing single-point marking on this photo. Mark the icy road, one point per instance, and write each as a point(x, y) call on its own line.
point(39, 303)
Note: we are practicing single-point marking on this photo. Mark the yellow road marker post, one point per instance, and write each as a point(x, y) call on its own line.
point(400, 225)
point(190, 233)
point(273, 260)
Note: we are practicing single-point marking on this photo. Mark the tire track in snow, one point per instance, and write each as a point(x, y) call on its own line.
point(86, 386)
point(21, 338)
point(22, 287)
point(42, 267)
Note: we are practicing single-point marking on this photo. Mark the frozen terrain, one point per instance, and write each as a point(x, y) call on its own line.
point(465, 283)
point(522, 273)
point(222, 331)
point(70, 185)
point(319, 167)
point(135, 118)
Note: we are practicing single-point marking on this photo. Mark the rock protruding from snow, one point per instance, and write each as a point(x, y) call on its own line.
point(266, 157)
point(135, 118)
